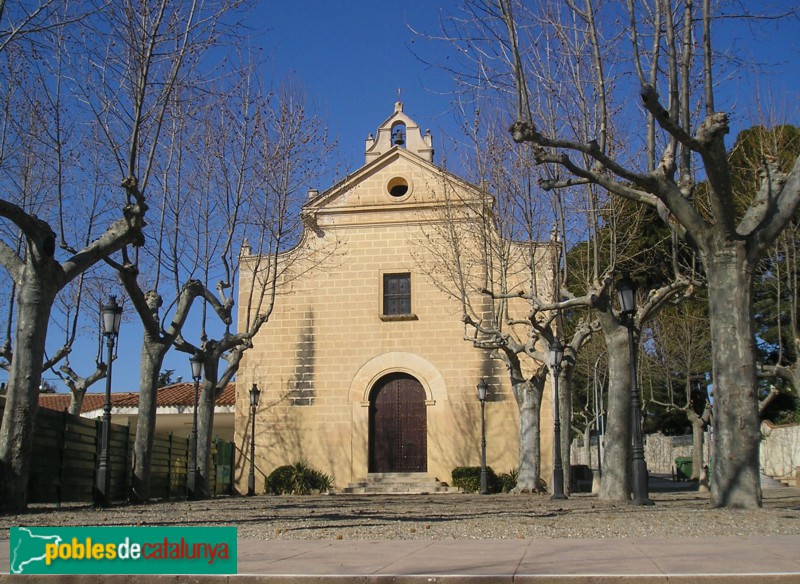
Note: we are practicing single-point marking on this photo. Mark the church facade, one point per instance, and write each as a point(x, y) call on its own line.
point(365, 367)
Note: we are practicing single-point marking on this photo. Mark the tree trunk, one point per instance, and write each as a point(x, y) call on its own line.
point(735, 475)
point(615, 483)
point(698, 430)
point(587, 446)
point(205, 427)
point(529, 399)
point(205, 432)
point(153, 352)
point(34, 302)
point(75, 403)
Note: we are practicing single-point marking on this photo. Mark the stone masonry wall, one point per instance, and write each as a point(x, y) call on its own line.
point(326, 345)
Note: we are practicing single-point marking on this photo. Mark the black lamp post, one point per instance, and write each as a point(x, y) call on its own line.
point(251, 481)
point(193, 475)
point(556, 356)
point(112, 317)
point(483, 389)
point(626, 289)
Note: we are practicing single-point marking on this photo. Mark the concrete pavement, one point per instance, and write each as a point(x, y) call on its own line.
point(772, 559)
point(751, 559)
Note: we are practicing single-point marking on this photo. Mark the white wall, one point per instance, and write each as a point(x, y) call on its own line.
point(780, 450)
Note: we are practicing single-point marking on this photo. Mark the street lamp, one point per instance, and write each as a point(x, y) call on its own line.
point(626, 289)
point(251, 481)
point(483, 389)
point(556, 356)
point(111, 314)
point(196, 361)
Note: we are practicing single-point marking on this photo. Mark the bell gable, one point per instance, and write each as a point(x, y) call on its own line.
point(395, 185)
point(399, 131)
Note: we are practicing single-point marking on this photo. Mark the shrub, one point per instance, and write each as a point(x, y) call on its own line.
point(468, 478)
point(297, 479)
point(508, 480)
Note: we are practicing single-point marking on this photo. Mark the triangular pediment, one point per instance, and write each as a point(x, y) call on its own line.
point(393, 185)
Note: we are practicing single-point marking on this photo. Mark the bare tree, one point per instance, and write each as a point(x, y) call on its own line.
point(18, 21)
point(266, 153)
point(71, 305)
point(77, 216)
point(164, 51)
point(40, 265)
point(235, 168)
point(497, 256)
point(162, 326)
point(77, 306)
point(681, 340)
point(730, 245)
point(785, 259)
point(777, 302)
point(573, 96)
point(588, 405)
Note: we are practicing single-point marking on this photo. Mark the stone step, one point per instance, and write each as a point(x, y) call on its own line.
point(398, 483)
point(399, 477)
point(384, 490)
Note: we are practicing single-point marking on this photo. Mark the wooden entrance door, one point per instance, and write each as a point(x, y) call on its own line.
point(398, 425)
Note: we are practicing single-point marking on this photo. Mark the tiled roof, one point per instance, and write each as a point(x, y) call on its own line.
point(177, 394)
point(91, 401)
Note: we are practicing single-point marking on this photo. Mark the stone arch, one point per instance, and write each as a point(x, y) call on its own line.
point(397, 362)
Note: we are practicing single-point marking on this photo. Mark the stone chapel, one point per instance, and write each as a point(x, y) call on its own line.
point(363, 367)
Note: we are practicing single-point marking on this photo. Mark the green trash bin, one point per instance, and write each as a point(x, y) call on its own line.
point(683, 467)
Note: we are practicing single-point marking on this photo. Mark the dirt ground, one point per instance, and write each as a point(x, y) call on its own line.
point(448, 516)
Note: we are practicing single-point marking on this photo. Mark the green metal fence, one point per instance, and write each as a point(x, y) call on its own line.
point(66, 451)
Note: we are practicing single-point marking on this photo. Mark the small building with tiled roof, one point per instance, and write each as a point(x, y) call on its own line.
point(175, 405)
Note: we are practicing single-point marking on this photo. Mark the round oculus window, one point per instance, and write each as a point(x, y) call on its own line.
point(398, 187)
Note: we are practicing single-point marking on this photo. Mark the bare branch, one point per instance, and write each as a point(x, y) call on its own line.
point(38, 232)
point(11, 262)
point(658, 298)
point(651, 103)
point(767, 399)
point(774, 216)
point(120, 233)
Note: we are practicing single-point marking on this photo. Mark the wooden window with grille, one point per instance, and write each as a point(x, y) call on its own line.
point(397, 294)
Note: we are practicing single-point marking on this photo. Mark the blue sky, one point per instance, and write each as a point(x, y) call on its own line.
point(771, 79)
point(353, 56)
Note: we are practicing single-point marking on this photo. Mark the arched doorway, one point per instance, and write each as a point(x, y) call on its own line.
point(398, 425)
